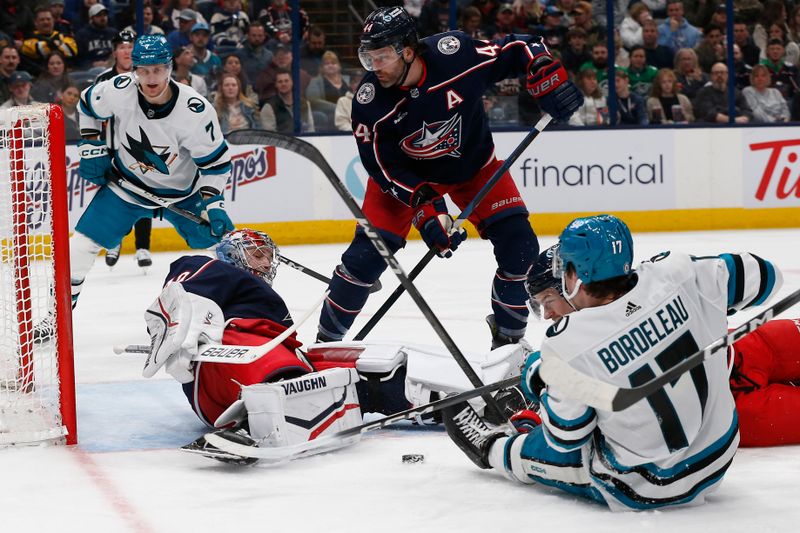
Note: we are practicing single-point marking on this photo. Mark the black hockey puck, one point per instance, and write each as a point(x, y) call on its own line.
point(413, 458)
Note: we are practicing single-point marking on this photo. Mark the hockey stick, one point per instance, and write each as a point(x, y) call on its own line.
point(284, 453)
point(608, 397)
point(232, 353)
point(310, 152)
point(166, 204)
point(429, 255)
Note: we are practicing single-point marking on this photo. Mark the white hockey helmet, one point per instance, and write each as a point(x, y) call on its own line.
point(251, 250)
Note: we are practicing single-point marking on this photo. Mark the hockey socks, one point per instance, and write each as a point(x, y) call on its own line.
point(348, 295)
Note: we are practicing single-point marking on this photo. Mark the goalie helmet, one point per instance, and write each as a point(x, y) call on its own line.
point(251, 250)
point(599, 247)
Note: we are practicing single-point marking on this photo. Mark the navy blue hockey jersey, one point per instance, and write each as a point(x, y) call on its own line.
point(436, 131)
point(238, 293)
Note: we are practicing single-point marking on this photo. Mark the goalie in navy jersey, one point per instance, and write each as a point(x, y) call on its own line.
point(422, 133)
point(672, 448)
point(230, 300)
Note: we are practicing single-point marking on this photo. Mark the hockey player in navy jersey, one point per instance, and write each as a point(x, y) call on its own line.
point(672, 448)
point(422, 133)
point(162, 136)
point(230, 300)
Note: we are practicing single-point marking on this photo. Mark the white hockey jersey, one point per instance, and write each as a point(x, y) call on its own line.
point(674, 446)
point(172, 150)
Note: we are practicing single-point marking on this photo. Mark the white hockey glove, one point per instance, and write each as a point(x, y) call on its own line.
point(177, 322)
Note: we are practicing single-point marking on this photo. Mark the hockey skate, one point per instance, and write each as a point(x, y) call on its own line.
point(143, 258)
point(499, 339)
point(45, 330)
point(240, 436)
point(112, 256)
point(470, 432)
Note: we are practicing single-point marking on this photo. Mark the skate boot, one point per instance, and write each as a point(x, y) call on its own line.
point(112, 256)
point(470, 432)
point(143, 257)
point(45, 330)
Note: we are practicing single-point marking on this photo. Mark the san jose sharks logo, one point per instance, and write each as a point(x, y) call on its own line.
point(434, 140)
point(148, 157)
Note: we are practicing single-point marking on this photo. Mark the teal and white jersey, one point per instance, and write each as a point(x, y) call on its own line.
point(674, 446)
point(172, 150)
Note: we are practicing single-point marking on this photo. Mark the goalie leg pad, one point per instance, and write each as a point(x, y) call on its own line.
point(303, 409)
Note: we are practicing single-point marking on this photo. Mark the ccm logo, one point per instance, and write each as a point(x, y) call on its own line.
point(507, 201)
point(545, 86)
point(93, 152)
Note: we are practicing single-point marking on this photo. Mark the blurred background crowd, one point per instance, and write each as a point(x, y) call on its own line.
point(670, 57)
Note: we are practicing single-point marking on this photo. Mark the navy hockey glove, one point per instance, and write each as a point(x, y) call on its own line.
point(435, 225)
point(218, 220)
point(532, 383)
point(549, 83)
point(95, 161)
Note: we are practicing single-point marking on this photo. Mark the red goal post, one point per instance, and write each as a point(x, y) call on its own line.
point(37, 381)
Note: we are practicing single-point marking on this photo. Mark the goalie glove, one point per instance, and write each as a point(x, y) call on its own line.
point(178, 322)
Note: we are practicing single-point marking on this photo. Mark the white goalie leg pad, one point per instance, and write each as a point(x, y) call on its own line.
point(303, 409)
point(432, 369)
point(178, 321)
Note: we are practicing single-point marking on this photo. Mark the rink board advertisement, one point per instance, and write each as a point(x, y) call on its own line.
point(664, 171)
point(771, 169)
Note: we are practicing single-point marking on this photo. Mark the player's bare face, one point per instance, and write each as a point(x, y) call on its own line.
point(153, 80)
point(552, 305)
point(122, 56)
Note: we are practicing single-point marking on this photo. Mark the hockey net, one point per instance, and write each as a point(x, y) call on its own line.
point(37, 384)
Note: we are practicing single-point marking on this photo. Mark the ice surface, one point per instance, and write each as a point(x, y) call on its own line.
point(127, 475)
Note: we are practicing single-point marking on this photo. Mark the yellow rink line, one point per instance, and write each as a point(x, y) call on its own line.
point(341, 231)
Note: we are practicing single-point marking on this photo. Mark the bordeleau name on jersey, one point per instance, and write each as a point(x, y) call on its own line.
point(643, 337)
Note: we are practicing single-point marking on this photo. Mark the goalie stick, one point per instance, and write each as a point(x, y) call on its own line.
point(166, 204)
point(609, 397)
point(232, 353)
point(488, 186)
point(281, 454)
point(310, 152)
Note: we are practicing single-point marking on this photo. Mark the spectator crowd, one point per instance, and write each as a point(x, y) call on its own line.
point(670, 57)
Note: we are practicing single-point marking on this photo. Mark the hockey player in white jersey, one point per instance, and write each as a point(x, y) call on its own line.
point(163, 137)
point(672, 448)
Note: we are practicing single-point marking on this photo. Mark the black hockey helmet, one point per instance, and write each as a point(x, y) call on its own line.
point(389, 26)
point(125, 36)
point(540, 276)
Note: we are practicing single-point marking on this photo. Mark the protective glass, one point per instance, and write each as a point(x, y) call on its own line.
point(559, 267)
point(381, 58)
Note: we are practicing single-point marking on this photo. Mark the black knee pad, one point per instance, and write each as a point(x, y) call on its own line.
point(515, 244)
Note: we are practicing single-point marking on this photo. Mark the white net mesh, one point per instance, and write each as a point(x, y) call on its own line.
point(29, 391)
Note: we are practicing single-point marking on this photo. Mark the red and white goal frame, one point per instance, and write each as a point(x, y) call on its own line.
point(37, 381)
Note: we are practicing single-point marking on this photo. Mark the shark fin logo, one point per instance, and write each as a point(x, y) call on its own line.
point(148, 157)
point(434, 140)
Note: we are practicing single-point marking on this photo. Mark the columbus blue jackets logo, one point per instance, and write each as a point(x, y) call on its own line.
point(148, 157)
point(365, 93)
point(448, 45)
point(434, 140)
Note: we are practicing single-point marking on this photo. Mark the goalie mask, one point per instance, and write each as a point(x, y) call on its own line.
point(251, 250)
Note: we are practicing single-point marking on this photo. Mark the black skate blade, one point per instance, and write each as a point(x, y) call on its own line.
point(201, 447)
